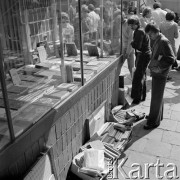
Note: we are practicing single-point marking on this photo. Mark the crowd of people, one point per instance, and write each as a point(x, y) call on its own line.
point(148, 41)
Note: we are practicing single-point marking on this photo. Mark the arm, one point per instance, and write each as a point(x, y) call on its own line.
point(167, 52)
point(176, 33)
point(130, 38)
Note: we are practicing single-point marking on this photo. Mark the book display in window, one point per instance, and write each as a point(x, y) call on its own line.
point(32, 113)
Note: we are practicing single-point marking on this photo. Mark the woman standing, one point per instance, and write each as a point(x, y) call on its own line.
point(170, 29)
point(161, 60)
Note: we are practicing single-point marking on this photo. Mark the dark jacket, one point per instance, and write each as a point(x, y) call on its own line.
point(141, 41)
point(162, 56)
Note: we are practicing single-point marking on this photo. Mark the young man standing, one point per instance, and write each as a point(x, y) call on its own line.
point(161, 61)
point(141, 44)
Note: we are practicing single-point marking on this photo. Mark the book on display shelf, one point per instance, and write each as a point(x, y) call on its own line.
point(31, 78)
point(32, 113)
point(30, 70)
point(71, 49)
point(67, 86)
point(57, 94)
point(77, 77)
point(92, 49)
point(17, 89)
point(10, 95)
point(28, 84)
point(46, 101)
point(48, 73)
point(96, 69)
point(86, 59)
point(13, 104)
point(87, 72)
point(43, 65)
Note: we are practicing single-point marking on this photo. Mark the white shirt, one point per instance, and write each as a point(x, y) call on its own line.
point(95, 21)
point(159, 16)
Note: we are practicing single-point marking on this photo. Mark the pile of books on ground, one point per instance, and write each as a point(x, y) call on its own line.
point(112, 139)
point(126, 117)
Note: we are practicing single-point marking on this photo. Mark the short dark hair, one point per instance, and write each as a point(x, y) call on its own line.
point(170, 16)
point(157, 5)
point(152, 27)
point(134, 20)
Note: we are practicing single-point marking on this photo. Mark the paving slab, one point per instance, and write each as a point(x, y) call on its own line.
point(157, 148)
point(171, 137)
point(168, 125)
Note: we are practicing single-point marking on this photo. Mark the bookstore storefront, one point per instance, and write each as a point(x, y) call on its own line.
point(58, 65)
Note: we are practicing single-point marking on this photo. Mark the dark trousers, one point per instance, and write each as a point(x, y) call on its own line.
point(157, 103)
point(138, 91)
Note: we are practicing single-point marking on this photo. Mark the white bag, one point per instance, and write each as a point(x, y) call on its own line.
point(94, 159)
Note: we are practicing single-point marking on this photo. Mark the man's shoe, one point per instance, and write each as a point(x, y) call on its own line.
point(148, 127)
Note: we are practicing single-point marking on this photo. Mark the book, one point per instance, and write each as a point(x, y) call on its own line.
point(92, 49)
point(17, 89)
point(71, 49)
point(43, 65)
point(28, 84)
point(96, 69)
point(77, 77)
point(57, 94)
point(67, 86)
point(87, 71)
point(47, 101)
point(14, 76)
point(48, 73)
point(30, 70)
point(13, 104)
point(32, 113)
point(10, 96)
point(31, 78)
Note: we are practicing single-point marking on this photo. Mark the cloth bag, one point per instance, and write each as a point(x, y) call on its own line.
point(178, 54)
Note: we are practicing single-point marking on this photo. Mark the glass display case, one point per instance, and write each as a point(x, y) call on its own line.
point(50, 48)
point(59, 62)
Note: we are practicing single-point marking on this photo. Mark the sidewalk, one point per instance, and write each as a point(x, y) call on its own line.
point(161, 144)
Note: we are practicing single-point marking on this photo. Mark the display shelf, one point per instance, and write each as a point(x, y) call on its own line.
point(62, 128)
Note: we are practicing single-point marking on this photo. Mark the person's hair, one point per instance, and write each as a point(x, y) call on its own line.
point(91, 7)
point(170, 16)
point(152, 28)
point(134, 20)
point(65, 16)
point(157, 5)
point(84, 8)
point(146, 11)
